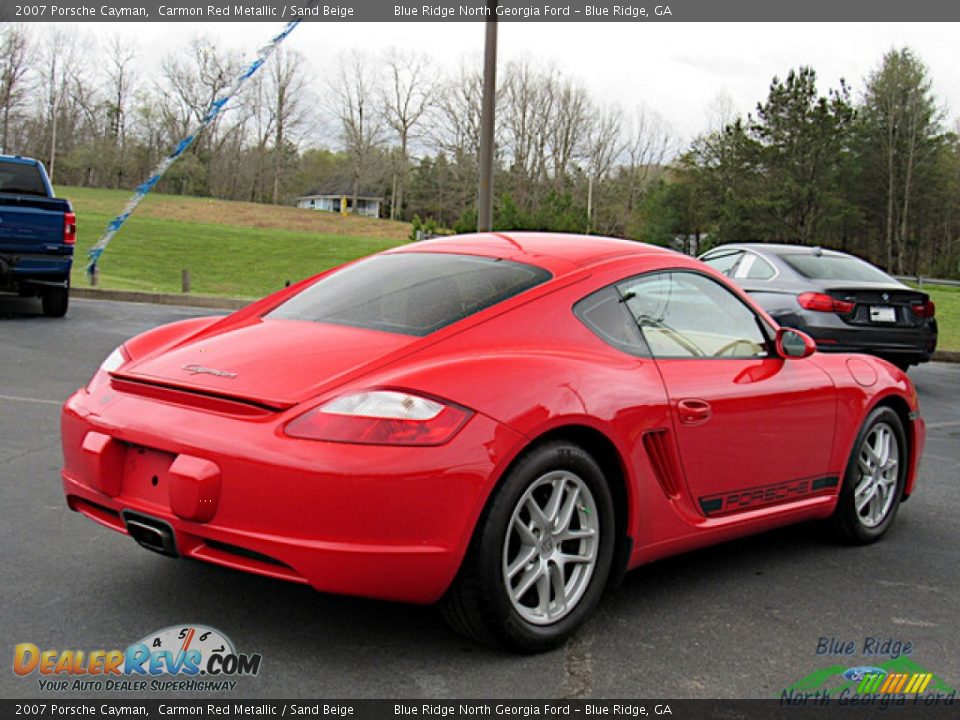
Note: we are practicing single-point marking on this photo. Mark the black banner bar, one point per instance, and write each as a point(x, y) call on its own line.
point(883, 706)
point(476, 10)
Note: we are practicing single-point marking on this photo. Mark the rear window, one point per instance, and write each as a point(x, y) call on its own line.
point(410, 293)
point(723, 261)
point(21, 179)
point(836, 267)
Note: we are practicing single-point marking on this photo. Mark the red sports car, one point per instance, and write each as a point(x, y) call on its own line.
point(505, 423)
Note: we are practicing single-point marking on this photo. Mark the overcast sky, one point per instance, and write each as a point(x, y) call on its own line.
point(674, 69)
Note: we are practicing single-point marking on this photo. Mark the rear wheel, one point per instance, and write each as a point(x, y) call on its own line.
point(541, 554)
point(55, 300)
point(874, 479)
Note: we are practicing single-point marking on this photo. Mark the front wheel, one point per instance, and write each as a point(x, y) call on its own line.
point(541, 553)
point(874, 479)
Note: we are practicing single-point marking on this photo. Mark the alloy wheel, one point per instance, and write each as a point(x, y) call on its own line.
point(878, 466)
point(550, 548)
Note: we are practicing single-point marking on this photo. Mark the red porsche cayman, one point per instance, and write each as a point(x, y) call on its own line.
point(505, 423)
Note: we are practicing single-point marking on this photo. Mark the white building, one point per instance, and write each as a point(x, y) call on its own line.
point(335, 198)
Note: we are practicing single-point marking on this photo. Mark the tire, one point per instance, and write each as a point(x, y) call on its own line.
point(512, 549)
point(865, 473)
point(55, 300)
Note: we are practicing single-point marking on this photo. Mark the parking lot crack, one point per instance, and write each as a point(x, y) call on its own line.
point(578, 666)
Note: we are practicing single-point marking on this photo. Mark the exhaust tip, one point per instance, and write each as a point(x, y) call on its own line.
point(151, 533)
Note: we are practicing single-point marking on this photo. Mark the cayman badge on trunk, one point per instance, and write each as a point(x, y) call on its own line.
point(194, 369)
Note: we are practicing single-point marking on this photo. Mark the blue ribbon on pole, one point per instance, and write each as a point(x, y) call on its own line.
point(216, 107)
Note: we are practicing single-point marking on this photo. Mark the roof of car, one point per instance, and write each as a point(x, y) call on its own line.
point(780, 249)
point(18, 159)
point(538, 248)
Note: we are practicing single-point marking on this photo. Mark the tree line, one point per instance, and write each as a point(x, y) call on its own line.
point(878, 175)
point(875, 174)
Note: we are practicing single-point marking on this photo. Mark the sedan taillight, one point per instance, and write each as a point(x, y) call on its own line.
point(381, 417)
point(821, 302)
point(925, 310)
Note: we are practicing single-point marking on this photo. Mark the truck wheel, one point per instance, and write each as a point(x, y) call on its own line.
point(55, 301)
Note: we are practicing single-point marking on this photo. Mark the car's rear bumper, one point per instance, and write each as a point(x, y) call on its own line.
point(907, 344)
point(383, 522)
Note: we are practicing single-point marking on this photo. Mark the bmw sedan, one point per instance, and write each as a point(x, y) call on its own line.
point(501, 423)
point(844, 303)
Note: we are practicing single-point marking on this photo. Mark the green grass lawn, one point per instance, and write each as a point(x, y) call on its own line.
point(238, 249)
point(947, 300)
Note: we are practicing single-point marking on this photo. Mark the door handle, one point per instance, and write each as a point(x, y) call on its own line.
point(693, 412)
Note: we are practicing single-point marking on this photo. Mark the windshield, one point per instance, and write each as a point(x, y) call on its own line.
point(836, 267)
point(21, 179)
point(410, 293)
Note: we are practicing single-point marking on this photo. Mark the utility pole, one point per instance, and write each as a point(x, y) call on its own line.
point(485, 193)
point(589, 202)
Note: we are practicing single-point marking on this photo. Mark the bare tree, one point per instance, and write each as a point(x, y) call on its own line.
point(455, 126)
point(121, 52)
point(527, 112)
point(62, 67)
point(14, 55)
point(720, 112)
point(190, 86)
point(604, 149)
point(287, 85)
point(361, 125)
point(570, 127)
point(405, 100)
point(647, 145)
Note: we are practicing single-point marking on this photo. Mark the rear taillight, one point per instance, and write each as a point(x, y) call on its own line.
point(821, 302)
point(381, 417)
point(114, 361)
point(69, 228)
point(925, 310)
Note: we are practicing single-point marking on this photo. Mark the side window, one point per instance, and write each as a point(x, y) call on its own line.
point(687, 315)
point(754, 267)
point(607, 317)
point(723, 260)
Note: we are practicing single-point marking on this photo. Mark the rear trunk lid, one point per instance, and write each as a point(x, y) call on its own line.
point(270, 362)
point(880, 305)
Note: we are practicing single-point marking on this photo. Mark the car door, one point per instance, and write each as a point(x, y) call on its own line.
point(752, 429)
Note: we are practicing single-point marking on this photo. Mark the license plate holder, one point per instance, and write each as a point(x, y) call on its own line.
point(883, 314)
point(145, 476)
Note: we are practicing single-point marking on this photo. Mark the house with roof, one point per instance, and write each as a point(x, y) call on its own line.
point(336, 195)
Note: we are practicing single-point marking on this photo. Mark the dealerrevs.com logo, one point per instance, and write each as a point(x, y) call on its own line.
point(178, 658)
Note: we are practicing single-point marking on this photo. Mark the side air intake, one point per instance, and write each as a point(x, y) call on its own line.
point(662, 459)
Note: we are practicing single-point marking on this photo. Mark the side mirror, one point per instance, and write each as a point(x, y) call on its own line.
point(794, 344)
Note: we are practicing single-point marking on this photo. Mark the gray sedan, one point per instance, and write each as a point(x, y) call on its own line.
point(844, 303)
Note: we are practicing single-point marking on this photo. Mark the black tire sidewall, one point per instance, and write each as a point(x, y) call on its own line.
point(846, 515)
point(503, 619)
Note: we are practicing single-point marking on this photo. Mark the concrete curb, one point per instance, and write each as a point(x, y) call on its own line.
point(203, 301)
point(230, 303)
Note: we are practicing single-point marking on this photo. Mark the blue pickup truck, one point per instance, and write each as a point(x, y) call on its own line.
point(37, 235)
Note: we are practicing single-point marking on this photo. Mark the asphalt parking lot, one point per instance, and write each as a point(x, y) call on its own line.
point(739, 620)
